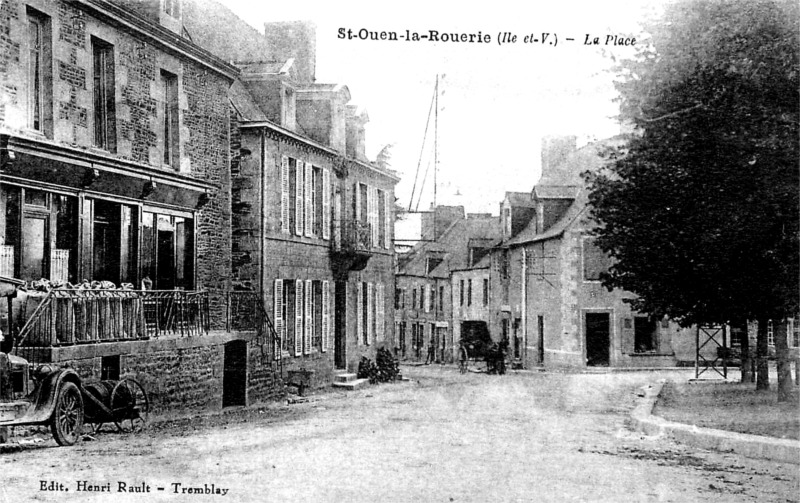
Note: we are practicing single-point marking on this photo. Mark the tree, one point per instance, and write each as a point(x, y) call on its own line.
point(700, 207)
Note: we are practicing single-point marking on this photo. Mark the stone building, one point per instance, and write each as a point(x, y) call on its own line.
point(312, 216)
point(114, 137)
point(430, 296)
point(551, 305)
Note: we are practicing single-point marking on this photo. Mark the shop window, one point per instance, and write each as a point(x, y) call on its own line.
point(167, 253)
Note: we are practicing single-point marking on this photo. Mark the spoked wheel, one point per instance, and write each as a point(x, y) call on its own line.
point(130, 405)
point(67, 421)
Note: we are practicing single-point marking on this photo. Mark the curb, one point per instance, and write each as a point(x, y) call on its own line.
point(751, 446)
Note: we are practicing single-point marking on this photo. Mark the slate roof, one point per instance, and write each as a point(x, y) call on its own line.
point(453, 244)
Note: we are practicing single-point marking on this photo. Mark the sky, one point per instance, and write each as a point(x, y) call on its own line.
point(496, 101)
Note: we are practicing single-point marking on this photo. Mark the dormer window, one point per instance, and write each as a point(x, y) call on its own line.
point(172, 8)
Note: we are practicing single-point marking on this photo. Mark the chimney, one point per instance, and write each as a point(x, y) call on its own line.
point(294, 39)
point(435, 222)
point(320, 113)
point(555, 150)
point(356, 142)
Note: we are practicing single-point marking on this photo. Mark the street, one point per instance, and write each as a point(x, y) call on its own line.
point(441, 437)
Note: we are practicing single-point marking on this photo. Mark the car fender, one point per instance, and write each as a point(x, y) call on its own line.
point(44, 396)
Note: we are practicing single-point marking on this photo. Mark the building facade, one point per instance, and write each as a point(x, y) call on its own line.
point(552, 306)
point(428, 299)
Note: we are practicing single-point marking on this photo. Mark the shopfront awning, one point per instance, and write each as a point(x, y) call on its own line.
point(50, 165)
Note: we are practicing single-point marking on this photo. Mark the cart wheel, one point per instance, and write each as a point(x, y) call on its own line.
point(129, 403)
point(67, 422)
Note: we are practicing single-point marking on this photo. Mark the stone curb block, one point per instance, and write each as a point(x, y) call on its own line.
point(752, 446)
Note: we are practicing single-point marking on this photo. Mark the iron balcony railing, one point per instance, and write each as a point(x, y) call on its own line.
point(351, 236)
point(80, 316)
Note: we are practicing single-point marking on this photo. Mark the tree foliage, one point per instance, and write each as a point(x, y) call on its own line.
point(700, 207)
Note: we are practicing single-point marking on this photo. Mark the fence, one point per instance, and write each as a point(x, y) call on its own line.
point(64, 317)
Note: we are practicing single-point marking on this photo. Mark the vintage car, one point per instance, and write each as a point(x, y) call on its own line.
point(49, 395)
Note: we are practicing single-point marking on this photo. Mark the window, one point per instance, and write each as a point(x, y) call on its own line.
point(469, 292)
point(172, 7)
point(109, 368)
point(167, 252)
point(432, 263)
point(169, 117)
point(485, 292)
point(397, 294)
point(441, 298)
point(793, 332)
point(40, 116)
point(461, 293)
point(644, 329)
point(104, 95)
point(595, 261)
point(381, 219)
point(433, 299)
point(770, 333)
point(305, 199)
point(414, 298)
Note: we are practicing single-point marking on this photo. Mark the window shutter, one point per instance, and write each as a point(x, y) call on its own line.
point(374, 214)
point(370, 312)
point(325, 317)
point(360, 312)
point(298, 199)
point(326, 204)
point(379, 312)
point(298, 318)
point(309, 317)
point(309, 206)
point(357, 196)
point(426, 298)
point(627, 332)
point(388, 217)
point(277, 315)
point(285, 195)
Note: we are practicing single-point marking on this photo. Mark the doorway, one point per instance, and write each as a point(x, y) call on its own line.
point(340, 325)
point(598, 332)
point(234, 374)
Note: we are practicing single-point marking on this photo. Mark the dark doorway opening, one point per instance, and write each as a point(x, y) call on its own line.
point(234, 377)
point(475, 337)
point(597, 339)
point(340, 325)
point(540, 341)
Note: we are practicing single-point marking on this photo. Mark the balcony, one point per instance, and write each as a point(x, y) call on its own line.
point(64, 317)
point(351, 246)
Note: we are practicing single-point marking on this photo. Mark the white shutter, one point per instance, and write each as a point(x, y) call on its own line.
point(309, 317)
point(379, 312)
point(359, 312)
point(332, 314)
point(325, 316)
point(285, 194)
point(277, 315)
point(326, 204)
point(388, 217)
point(309, 207)
point(298, 318)
point(298, 198)
point(370, 308)
point(426, 298)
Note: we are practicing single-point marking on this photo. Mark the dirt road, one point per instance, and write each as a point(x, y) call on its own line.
point(442, 437)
